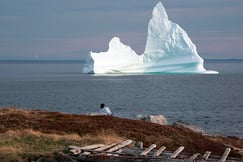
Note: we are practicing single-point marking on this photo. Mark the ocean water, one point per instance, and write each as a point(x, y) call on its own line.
point(213, 102)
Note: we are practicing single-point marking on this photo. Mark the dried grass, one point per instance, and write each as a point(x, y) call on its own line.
point(43, 131)
point(9, 150)
point(103, 137)
point(25, 112)
point(33, 133)
point(18, 142)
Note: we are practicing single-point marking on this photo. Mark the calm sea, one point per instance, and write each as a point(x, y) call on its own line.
point(213, 102)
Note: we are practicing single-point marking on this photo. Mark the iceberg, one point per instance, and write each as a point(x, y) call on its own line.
point(119, 58)
point(168, 50)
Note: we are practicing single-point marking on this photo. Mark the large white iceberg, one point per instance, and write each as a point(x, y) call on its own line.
point(168, 50)
point(118, 59)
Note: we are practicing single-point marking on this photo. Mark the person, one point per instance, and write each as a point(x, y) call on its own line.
point(104, 109)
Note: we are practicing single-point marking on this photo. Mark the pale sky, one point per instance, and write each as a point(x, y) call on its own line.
point(69, 29)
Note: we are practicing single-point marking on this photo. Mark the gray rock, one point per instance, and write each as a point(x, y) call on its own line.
point(141, 117)
point(61, 157)
point(189, 126)
point(45, 160)
point(139, 145)
point(241, 152)
point(159, 119)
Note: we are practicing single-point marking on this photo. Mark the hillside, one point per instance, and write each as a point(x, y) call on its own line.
point(25, 134)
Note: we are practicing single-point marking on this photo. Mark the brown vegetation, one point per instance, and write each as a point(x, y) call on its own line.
point(61, 130)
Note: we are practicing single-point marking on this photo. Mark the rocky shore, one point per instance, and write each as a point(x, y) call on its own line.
point(27, 135)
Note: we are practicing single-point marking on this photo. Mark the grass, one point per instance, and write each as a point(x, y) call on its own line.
point(28, 134)
point(23, 144)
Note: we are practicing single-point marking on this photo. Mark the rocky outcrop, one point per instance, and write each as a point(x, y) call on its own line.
point(189, 126)
point(158, 119)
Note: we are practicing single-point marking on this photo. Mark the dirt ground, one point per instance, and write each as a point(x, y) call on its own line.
point(62, 124)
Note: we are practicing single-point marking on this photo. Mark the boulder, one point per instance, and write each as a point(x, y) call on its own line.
point(61, 157)
point(158, 119)
point(141, 117)
point(189, 126)
point(139, 145)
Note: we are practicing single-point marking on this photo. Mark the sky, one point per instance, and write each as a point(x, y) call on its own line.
point(70, 29)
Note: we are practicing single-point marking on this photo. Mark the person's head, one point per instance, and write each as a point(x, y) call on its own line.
point(102, 105)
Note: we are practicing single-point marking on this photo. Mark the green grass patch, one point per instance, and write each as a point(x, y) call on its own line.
point(21, 145)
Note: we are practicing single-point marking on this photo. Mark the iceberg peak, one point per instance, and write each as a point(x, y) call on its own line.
point(117, 59)
point(160, 10)
point(118, 48)
point(168, 50)
point(168, 44)
point(115, 43)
